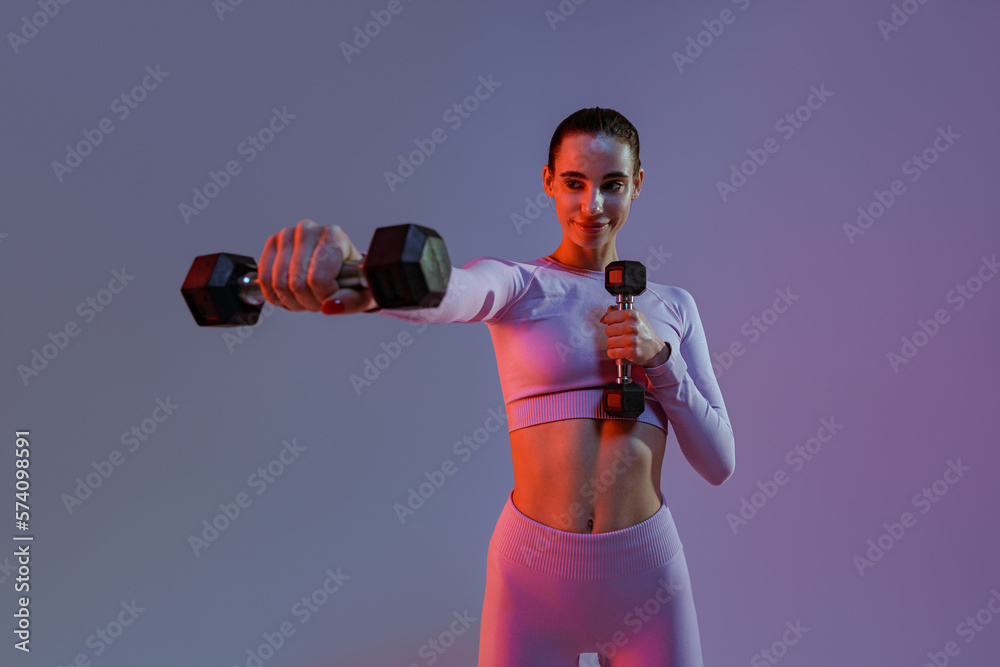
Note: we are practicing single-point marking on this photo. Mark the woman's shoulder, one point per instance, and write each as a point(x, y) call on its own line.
point(677, 299)
point(507, 278)
point(520, 271)
point(670, 293)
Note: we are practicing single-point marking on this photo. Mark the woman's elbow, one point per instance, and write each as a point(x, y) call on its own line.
point(724, 473)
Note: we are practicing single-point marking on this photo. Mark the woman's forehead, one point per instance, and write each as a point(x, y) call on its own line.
point(580, 151)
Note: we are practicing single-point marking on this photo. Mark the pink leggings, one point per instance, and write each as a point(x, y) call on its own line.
point(552, 595)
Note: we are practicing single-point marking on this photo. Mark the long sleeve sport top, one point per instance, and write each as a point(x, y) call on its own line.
point(551, 350)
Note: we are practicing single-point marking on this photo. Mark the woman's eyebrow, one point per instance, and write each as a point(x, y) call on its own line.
point(610, 174)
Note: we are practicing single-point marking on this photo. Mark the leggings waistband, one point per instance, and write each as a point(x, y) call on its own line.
point(586, 556)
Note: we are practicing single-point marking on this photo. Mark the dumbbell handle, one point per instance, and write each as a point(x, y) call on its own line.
point(624, 302)
point(351, 274)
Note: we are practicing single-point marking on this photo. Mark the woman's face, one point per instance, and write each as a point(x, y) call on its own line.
point(592, 187)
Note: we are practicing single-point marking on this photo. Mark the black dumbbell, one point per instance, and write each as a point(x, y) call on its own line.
point(625, 279)
point(407, 266)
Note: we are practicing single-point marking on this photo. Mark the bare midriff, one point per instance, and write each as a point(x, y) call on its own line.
point(588, 475)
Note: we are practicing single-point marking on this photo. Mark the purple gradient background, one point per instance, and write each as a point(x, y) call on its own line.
point(333, 507)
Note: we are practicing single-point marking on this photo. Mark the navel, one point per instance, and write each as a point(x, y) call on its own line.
point(590, 525)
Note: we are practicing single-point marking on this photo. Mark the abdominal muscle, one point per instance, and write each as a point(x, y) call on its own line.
point(588, 475)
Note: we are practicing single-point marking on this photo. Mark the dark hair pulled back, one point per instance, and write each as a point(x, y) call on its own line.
point(597, 121)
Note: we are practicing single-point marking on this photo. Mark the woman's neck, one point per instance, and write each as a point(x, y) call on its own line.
point(593, 259)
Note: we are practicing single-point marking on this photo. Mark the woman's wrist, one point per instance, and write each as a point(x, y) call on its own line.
point(661, 357)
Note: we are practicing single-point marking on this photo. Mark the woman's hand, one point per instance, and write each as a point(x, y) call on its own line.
point(631, 337)
point(299, 267)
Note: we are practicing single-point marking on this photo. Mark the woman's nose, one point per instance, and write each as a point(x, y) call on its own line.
point(594, 204)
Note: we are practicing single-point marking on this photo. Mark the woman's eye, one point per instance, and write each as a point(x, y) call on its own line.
point(617, 185)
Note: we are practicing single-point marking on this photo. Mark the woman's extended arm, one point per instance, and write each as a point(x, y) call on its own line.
point(686, 387)
point(476, 292)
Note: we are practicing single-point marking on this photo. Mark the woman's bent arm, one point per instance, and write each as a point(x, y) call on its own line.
point(686, 387)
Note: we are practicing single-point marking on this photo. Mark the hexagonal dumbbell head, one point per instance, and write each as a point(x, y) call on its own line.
point(211, 290)
point(624, 400)
point(407, 266)
point(626, 277)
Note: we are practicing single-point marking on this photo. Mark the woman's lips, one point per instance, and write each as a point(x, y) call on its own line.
point(590, 227)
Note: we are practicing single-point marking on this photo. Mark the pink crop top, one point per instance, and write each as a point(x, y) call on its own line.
point(551, 348)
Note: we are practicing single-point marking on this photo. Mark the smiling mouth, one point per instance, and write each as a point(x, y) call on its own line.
point(590, 227)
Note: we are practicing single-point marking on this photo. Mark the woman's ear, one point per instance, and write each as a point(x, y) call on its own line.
point(546, 180)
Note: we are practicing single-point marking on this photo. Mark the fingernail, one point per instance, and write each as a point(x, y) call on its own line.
point(334, 307)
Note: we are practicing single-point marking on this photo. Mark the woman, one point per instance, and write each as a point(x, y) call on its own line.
point(585, 557)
